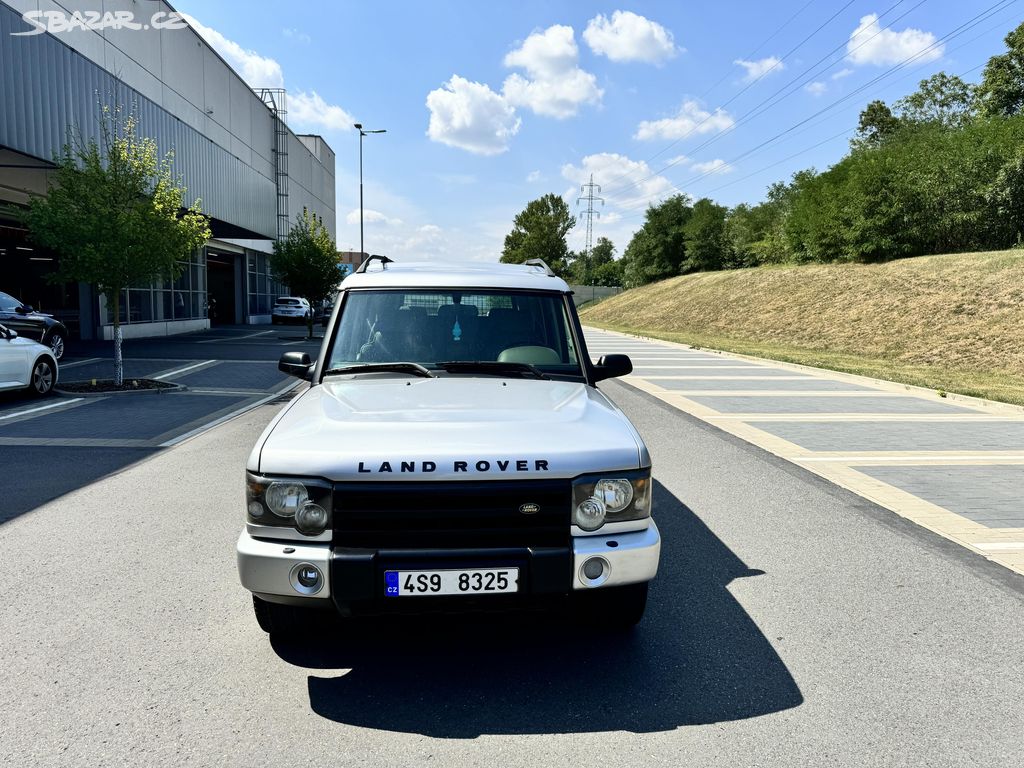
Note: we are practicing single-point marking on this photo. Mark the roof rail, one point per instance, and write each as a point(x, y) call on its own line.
point(384, 261)
point(540, 263)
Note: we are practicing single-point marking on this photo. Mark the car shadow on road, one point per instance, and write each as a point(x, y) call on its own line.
point(696, 658)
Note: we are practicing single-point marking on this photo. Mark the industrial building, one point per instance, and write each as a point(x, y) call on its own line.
point(233, 149)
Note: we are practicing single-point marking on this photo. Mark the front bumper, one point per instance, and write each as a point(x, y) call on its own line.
point(354, 579)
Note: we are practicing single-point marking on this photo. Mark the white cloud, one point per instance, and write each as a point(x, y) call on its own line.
point(691, 119)
point(678, 160)
point(717, 165)
point(371, 216)
point(471, 116)
point(258, 71)
point(617, 172)
point(759, 68)
point(629, 37)
point(817, 88)
point(844, 72)
point(555, 86)
point(870, 44)
point(307, 110)
point(533, 176)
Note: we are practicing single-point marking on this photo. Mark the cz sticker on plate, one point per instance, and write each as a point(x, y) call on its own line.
point(470, 581)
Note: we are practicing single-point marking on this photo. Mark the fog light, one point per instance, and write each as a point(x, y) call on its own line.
point(590, 514)
point(306, 579)
point(255, 509)
point(308, 576)
point(311, 519)
point(595, 571)
point(593, 568)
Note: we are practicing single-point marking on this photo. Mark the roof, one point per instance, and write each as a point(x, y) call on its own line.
point(455, 274)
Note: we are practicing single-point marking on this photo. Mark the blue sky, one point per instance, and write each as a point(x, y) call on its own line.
point(489, 104)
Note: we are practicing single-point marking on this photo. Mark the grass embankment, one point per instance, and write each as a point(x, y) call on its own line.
point(952, 323)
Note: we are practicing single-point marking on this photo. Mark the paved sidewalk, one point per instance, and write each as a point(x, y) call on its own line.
point(952, 465)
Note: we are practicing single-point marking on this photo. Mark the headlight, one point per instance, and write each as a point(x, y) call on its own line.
point(611, 497)
point(285, 499)
point(301, 503)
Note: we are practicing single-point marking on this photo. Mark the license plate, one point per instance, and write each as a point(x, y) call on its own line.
point(471, 581)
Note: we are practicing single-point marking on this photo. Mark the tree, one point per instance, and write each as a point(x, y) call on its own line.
point(582, 268)
point(707, 246)
point(658, 248)
point(609, 275)
point(876, 125)
point(306, 260)
point(1006, 196)
point(943, 99)
point(114, 213)
point(1001, 92)
point(539, 232)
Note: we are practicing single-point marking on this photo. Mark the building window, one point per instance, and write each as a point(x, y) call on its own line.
point(263, 289)
point(180, 299)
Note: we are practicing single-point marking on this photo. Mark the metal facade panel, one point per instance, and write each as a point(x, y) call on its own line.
point(46, 87)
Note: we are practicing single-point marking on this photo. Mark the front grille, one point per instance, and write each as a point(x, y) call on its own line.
point(451, 515)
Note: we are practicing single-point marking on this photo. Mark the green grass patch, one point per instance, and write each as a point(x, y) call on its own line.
point(952, 323)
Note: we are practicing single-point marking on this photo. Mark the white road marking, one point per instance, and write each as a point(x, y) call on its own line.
point(62, 366)
point(229, 339)
point(939, 458)
point(179, 371)
point(41, 408)
point(1001, 546)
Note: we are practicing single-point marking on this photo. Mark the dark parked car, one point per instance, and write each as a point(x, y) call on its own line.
point(33, 325)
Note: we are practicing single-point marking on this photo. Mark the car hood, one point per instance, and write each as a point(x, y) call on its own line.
point(24, 341)
point(387, 428)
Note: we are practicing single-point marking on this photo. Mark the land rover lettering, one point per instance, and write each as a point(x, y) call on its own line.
point(537, 491)
point(480, 466)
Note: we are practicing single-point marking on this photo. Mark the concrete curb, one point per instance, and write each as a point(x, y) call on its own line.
point(161, 391)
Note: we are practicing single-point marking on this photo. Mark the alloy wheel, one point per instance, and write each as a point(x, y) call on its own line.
point(57, 345)
point(42, 377)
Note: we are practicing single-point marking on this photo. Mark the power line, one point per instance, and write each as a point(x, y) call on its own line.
point(757, 109)
point(752, 82)
point(956, 32)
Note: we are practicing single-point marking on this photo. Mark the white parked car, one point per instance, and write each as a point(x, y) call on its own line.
point(451, 452)
point(25, 364)
point(290, 309)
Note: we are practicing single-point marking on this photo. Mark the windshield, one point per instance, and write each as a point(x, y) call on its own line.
point(442, 326)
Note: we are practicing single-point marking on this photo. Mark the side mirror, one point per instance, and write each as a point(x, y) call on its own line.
point(298, 364)
point(612, 366)
point(8, 333)
point(24, 310)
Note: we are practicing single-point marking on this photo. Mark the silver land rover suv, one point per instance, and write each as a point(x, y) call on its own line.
point(451, 452)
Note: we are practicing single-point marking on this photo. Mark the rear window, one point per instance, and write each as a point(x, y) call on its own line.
point(289, 302)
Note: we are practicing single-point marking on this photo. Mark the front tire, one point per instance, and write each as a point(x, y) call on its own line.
point(616, 608)
point(56, 344)
point(43, 377)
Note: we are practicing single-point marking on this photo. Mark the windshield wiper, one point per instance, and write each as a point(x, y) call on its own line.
point(414, 368)
point(491, 366)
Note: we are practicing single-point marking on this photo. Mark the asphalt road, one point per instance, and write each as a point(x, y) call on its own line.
point(53, 446)
point(792, 624)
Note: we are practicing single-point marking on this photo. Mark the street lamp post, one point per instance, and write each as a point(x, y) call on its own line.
point(359, 127)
